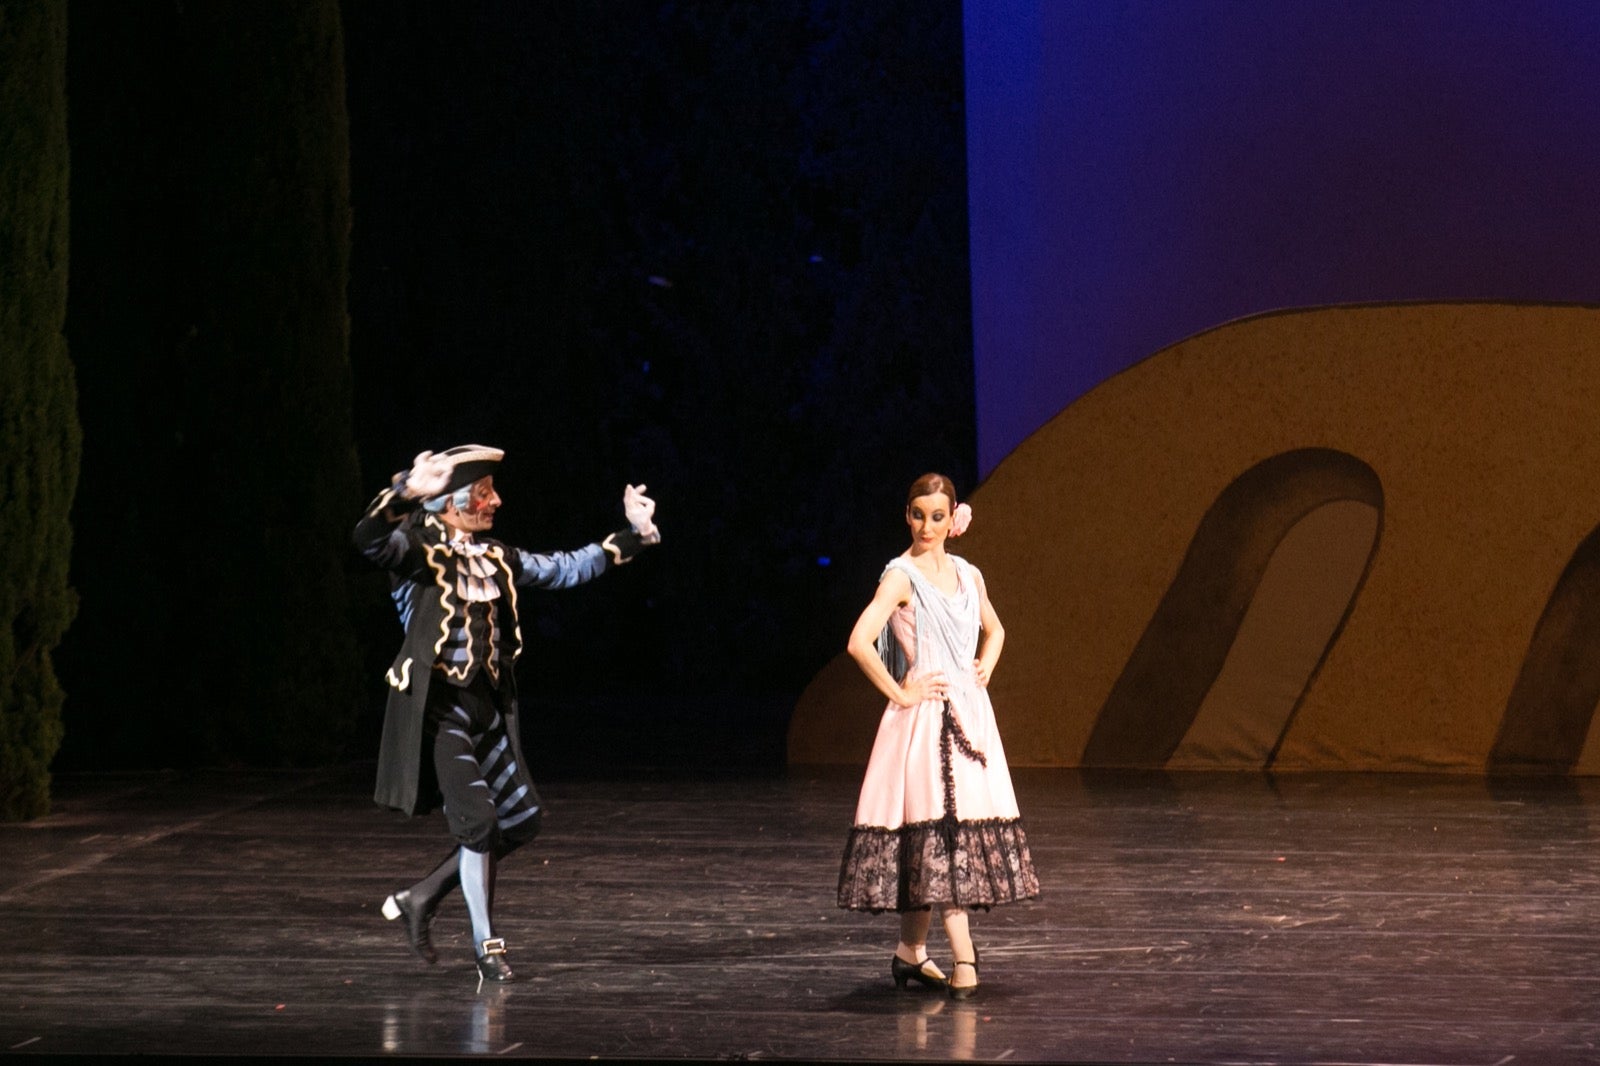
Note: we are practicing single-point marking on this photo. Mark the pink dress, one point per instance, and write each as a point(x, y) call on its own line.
point(937, 820)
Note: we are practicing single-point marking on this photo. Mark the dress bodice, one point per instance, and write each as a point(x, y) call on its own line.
point(936, 631)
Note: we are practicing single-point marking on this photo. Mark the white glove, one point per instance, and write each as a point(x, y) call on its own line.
point(640, 511)
point(427, 478)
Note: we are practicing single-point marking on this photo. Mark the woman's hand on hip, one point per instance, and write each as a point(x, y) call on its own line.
point(925, 687)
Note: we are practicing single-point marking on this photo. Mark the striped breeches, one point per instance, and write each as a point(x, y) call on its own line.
point(489, 800)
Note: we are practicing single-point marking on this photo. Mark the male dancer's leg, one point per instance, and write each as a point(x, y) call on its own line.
point(457, 722)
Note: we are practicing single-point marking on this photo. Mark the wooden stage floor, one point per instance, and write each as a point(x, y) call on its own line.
point(1186, 918)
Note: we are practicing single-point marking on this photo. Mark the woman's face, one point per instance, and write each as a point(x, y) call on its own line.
point(929, 520)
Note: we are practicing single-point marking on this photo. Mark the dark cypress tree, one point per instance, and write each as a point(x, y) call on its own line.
point(39, 439)
point(211, 164)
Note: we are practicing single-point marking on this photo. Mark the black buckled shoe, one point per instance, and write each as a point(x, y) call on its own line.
point(418, 918)
point(492, 962)
point(964, 991)
point(903, 971)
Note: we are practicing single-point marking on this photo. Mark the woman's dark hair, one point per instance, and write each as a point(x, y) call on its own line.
point(928, 484)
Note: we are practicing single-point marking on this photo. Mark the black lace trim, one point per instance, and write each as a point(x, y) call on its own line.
point(952, 736)
point(973, 864)
point(950, 732)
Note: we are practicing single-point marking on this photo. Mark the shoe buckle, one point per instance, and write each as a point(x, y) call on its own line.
point(494, 946)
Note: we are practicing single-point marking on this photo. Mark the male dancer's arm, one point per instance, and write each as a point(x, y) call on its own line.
point(559, 570)
point(380, 535)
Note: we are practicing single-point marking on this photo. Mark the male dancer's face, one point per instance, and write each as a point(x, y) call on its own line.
point(478, 515)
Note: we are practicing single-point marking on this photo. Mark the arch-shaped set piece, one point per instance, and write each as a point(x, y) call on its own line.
point(1159, 693)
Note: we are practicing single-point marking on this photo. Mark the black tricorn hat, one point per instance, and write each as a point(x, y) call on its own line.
point(468, 463)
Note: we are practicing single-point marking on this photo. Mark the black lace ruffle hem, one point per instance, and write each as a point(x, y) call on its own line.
point(912, 867)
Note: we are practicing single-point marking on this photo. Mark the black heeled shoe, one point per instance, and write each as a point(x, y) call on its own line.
point(903, 971)
point(964, 991)
point(417, 918)
point(492, 962)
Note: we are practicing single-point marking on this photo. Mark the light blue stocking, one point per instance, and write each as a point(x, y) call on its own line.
point(477, 874)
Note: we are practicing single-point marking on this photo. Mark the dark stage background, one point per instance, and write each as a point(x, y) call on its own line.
point(719, 249)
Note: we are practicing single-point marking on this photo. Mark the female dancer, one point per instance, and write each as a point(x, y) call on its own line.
point(937, 822)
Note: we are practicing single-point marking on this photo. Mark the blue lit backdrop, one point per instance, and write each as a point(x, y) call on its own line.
point(1142, 171)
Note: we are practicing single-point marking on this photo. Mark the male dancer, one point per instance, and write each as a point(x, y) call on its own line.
point(450, 728)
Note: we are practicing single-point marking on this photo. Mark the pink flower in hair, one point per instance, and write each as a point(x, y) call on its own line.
point(960, 519)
